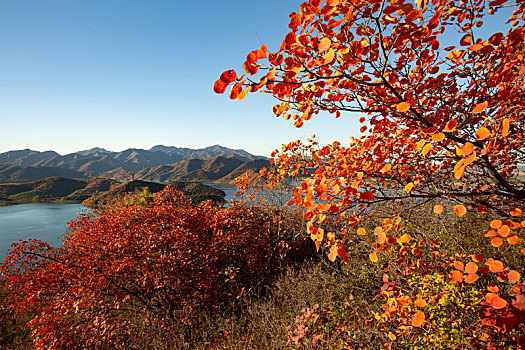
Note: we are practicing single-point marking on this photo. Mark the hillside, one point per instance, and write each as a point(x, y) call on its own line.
point(196, 191)
point(94, 192)
point(251, 167)
point(220, 169)
point(13, 173)
point(53, 189)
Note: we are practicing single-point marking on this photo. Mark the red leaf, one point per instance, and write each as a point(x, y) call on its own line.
point(219, 86)
point(228, 76)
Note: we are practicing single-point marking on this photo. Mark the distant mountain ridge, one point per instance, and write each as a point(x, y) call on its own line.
point(160, 163)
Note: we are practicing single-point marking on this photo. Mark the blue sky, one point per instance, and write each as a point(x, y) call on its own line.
point(127, 73)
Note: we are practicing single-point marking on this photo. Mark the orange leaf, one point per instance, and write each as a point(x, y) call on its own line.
point(373, 257)
point(491, 233)
point(471, 267)
point(250, 68)
point(385, 168)
point(513, 276)
point(515, 212)
point(495, 224)
point(467, 149)
point(426, 149)
point(480, 107)
point(495, 301)
point(421, 302)
point(361, 231)
point(405, 238)
point(458, 265)
point(460, 210)
point(476, 47)
point(403, 106)
point(333, 253)
point(234, 93)
point(471, 278)
point(261, 53)
point(456, 276)
point(504, 231)
point(459, 170)
point(418, 318)
point(483, 133)
point(438, 137)
point(496, 266)
point(496, 241)
point(513, 240)
point(438, 209)
point(324, 44)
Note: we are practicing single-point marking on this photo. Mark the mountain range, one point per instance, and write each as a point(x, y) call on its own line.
point(160, 163)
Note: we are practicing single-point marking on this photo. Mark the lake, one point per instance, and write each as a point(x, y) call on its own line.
point(46, 221)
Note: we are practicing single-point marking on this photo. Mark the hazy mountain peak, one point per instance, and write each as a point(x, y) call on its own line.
point(93, 150)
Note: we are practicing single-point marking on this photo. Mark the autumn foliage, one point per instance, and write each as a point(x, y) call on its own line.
point(134, 271)
point(441, 101)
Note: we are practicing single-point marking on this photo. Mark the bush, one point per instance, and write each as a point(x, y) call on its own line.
point(132, 273)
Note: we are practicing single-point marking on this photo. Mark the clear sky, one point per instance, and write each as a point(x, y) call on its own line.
point(119, 74)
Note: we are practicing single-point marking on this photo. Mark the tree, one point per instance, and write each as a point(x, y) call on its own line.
point(132, 272)
point(442, 106)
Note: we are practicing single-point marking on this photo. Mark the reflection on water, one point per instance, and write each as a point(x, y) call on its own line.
point(46, 221)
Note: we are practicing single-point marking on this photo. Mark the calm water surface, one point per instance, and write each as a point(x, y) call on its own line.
point(228, 189)
point(46, 221)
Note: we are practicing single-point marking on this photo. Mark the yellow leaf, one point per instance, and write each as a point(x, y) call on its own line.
point(409, 186)
point(373, 257)
point(456, 55)
point(242, 95)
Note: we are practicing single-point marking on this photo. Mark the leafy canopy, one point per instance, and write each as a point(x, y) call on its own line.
point(441, 102)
